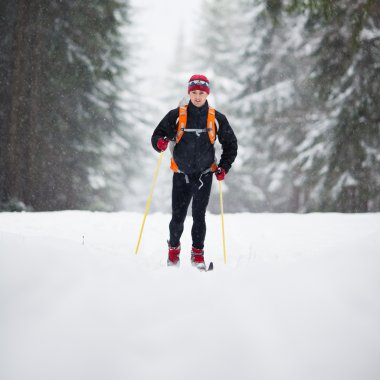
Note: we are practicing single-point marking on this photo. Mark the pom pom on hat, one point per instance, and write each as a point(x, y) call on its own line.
point(199, 82)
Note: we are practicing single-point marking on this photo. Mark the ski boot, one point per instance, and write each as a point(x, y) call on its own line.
point(173, 257)
point(197, 259)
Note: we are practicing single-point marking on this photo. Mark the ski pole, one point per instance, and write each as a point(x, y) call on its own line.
point(222, 213)
point(149, 199)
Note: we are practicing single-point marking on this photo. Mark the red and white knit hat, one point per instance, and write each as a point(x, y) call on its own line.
point(198, 82)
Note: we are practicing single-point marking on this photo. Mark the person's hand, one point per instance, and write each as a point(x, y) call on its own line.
point(220, 174)
point(162, 143)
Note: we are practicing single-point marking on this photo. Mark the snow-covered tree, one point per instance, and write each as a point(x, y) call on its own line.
point(310, 127)
point(64, 62)
point(271, 107)
point(217, 53)
point(340, 155)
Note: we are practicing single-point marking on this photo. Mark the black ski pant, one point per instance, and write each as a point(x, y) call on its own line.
point(198, 189)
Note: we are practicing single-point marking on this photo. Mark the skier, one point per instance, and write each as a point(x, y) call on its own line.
point(192, 130)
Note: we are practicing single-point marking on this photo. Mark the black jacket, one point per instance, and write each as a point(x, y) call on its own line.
point(195, 153)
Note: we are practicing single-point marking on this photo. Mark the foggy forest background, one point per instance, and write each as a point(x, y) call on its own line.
point(298, 80)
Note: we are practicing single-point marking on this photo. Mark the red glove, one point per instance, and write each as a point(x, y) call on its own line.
point(220, 174)
point(162, 143)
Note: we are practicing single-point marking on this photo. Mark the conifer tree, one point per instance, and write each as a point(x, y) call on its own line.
point(7, 19)
point(64, 120)
point(272, 105)
point(311, 83)
point(339, 156)
point(217, 54)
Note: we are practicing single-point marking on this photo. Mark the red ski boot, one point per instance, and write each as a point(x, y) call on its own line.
point(173, 258)
point(197, 258)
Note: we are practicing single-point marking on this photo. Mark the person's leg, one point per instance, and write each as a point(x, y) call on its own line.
point(200, 201)
point(181, 196)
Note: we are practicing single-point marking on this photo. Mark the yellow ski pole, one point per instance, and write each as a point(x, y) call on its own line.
point(149, 199)
point(222, 213)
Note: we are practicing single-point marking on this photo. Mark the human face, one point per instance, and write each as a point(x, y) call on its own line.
point(198, 98)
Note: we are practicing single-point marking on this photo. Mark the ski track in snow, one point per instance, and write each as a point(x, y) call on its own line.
point(299, 298)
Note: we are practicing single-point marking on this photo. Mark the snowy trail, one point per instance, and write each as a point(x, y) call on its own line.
point(298, 299)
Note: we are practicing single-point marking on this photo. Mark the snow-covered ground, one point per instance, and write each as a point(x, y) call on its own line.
point(299, 299)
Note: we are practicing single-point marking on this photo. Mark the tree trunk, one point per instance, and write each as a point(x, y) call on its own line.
point(18, 99)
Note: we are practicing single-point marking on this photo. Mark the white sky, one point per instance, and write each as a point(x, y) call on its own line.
point(158, 24)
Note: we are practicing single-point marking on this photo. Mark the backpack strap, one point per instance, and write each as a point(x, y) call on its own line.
point(211, 125)
point(196, 131)
point(182, 120)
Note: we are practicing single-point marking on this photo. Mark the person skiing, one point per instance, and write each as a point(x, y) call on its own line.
point(192, 131)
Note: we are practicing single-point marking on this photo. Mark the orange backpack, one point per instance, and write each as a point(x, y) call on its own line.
point(210, 129)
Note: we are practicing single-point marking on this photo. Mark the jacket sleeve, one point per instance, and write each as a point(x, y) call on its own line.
point(166, 128)
point(227, 139)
